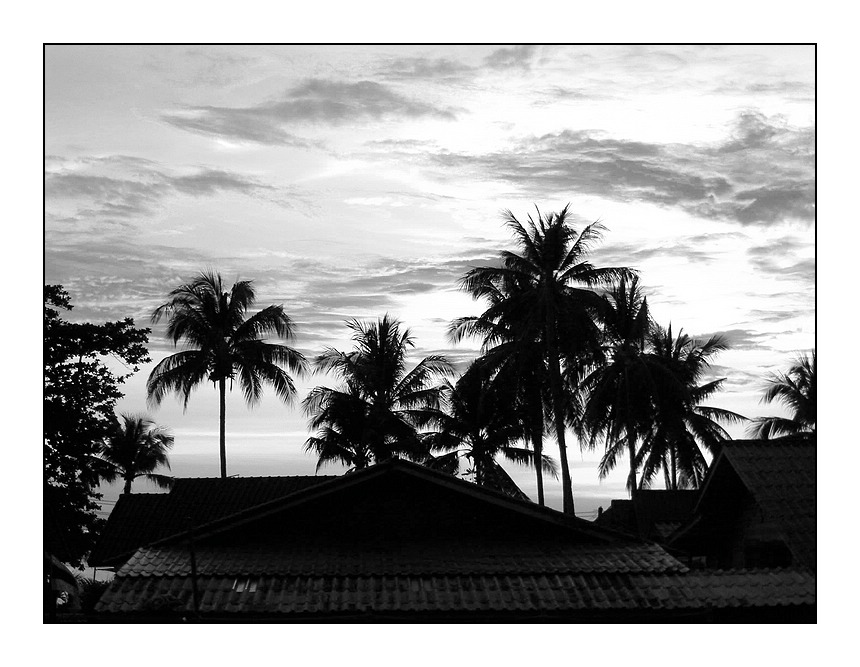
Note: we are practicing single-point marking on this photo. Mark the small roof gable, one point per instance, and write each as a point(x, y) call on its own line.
point(780, 476)
point(141, 518)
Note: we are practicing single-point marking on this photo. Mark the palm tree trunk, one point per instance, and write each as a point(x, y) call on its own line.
point(537, 441)
point(127, 487)
point(631, 479)
point(558, 413)
point(631, 436)
point(674, 469)
point(222, 390)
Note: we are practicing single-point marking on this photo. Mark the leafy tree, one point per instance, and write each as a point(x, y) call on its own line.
point(795, 389)
point(223, 344)
point(135, 448)
point(379, 407)
point(547, 297)
point(480, 425)
point(80, 393)
point(684, 430)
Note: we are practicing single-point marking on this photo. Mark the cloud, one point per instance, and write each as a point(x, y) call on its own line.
point(313, 101)
point(431, 69)
point(781, 260)
point(763, 172)
point(738, 339)
point(117, 188)
point(517, 57)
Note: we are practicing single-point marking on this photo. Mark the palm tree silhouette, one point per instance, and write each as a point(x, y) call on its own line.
point(796, 389)
point(519, 363)
point(547, 296)
point(135, 448)
point(223, 345)
point(621, 392)
point(480, 425)
point(377, 411)
point(684, 428)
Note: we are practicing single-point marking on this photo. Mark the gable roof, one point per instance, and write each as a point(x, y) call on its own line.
point(780, 477)
point(408, 475)
point(141, 518)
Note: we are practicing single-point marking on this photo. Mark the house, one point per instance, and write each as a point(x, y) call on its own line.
point(650, 514)
point(398, 542)
point(757, 507)
point(140, 518)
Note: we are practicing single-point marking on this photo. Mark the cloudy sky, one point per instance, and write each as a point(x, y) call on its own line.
point(349, 181)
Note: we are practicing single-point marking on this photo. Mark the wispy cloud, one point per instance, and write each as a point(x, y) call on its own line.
point(427, 69)
point(313, 101)
point(116, 188)
point(763, 172)
point(515, 57)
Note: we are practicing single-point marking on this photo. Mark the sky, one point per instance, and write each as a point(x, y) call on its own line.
point(353, 181)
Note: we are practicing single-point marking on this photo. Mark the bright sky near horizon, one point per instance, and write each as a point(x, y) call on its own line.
point(351, 181)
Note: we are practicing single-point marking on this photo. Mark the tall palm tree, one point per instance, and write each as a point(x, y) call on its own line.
point(135, 448)
point(548, 298)
point(222, 344)
point(684, 429)
point(795, 389)
point(620, 393)
point(377, 411)
point(480, 425)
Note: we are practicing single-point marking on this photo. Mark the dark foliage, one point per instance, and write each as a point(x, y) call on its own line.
point(796, 390)
point(80, 393)
point(377, 410)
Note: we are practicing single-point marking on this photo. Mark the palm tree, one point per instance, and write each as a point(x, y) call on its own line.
point(223, 344)
point(796, 390)
point(547, 297)
point(480, 425)
point(135, 449)
point(519, 364)
point(377, 411)
point(620, 393)
point(684, 428)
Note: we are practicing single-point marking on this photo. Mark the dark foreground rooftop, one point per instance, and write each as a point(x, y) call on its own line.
point(398, 542)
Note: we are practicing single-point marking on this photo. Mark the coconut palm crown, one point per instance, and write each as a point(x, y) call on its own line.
point(136, 448)
point(377, 410)
point(684, 431)
point(796, 390)
point(547, 295)
point(481, 424)
point(621, 391)
point(223, 343)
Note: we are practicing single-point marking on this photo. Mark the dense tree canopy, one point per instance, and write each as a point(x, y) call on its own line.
point(80, 393)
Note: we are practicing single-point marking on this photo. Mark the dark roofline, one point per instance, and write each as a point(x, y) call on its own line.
point(544, 514)
point(726, 453)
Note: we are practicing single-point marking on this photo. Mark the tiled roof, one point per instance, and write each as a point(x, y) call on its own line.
point(781, 476)
point(446, 558)
point(524, 593)
point(140, 519)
